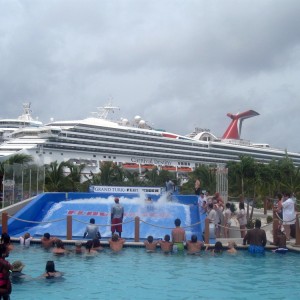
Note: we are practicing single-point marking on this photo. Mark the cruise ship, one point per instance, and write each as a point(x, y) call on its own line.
point(135, 145)
point(8, 126)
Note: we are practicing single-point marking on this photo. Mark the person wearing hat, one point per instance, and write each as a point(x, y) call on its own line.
point(16, 272)
point(117, 213)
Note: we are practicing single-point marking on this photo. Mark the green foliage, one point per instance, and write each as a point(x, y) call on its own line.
point(269, 219)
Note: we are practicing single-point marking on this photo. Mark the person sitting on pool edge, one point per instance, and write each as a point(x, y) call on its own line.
point(150, 244)
point(194, 246)
point(92, 230)
point(256, 238)
point(116, 243)
point(165, 245)
point(178, 236)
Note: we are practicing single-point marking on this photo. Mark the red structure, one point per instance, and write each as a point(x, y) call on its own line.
point(235, 127)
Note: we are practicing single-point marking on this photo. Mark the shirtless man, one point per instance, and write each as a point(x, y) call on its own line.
point(47, 241)
point(178, 235)
point(150, 244)
point(256, 238)
point(194, 246)
point(165, 245)
point(116, 243)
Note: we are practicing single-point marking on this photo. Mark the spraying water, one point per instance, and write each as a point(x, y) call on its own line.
point(157, 217)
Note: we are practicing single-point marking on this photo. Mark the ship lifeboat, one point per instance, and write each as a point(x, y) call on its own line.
point(148, 166)
point(169, 168)
point(184, 169)
point(130, 166)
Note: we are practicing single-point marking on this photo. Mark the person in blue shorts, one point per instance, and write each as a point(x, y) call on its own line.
point(256, 238)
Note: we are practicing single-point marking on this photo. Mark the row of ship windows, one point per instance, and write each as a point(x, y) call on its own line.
point(227, 152)
point(114, 158)
point(165, 154)
point(120, 145)
point(250, 151)
point(221, 157)
point(123, 137)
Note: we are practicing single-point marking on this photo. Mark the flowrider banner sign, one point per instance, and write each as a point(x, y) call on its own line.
point(125, 189)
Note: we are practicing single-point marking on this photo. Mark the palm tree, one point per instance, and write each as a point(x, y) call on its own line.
point(74, 177)
point(55, 177)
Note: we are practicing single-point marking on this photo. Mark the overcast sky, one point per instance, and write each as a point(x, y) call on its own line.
point(178, 64)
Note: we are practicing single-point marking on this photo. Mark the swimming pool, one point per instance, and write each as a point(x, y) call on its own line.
point(135, 274)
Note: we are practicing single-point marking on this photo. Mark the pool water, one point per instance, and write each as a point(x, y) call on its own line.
point(135, 274)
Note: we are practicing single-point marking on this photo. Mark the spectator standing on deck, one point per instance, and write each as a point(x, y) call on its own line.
point(242, 219)
point(256, 238)
point(92, 230)
point(288, 214)
point(198, 189)
point(117, 214)
point(227, 220)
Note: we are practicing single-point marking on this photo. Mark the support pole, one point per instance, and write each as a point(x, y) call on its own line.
point(206, 233)
point(137, 229)
point(297, 230)
point(69, 227)
point(275, 227)
point(4, 222)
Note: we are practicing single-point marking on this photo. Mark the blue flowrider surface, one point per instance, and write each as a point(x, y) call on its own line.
point(156, 218)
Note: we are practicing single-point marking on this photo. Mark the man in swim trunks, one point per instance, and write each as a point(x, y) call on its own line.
point(117, 213)
point(178, 236)
point(256, 238)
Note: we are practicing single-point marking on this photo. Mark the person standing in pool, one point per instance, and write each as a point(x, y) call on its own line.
point(194, 246)
point(117, 214)
point(47, 241)
point(256, 238)
point(5, 268)
point(116, 243)
point(178, 236)
point(165, 245)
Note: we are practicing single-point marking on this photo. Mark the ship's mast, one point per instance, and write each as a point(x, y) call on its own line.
point(104, 111)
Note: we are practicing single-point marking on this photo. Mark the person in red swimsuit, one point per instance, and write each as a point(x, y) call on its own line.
point(5, 267)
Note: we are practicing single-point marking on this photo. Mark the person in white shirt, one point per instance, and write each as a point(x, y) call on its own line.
point(26, 239)
point(288, 214)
